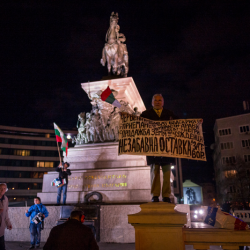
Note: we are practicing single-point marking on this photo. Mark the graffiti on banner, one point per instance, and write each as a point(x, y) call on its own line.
point(182, 138)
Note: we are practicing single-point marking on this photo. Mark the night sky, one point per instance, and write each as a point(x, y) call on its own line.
point(196, 53)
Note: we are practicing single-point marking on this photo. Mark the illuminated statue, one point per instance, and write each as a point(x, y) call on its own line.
point(102, 123)
point(114, 123)
point(97, 126)
point(89, 128)
point(136, 112)
point(81, 136)
point(115, 51)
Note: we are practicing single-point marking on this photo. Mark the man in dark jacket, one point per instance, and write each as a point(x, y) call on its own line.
point(158, 113)
point(64, 172)
point(71, 235)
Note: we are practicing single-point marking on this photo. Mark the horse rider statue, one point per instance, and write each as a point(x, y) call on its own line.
point(115, 52)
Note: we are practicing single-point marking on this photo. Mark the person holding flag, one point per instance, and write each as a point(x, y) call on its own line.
point(63, 170)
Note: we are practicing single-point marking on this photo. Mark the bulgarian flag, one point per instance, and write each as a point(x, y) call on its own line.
point(60, 137)
point(107, 96)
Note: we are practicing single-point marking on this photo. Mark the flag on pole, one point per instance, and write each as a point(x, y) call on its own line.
point(107, 96)
point(60, 137)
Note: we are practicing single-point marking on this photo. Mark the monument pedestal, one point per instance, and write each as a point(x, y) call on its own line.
point(158, 226)
point(97, 167)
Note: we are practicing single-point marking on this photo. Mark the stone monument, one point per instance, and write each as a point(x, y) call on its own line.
point(94, 160)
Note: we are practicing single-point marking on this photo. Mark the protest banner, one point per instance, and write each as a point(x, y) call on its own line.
point(182, 138)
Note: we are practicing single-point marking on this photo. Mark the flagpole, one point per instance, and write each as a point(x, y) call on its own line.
point(59, 153)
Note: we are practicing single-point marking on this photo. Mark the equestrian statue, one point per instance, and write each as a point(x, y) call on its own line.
point(115, 52)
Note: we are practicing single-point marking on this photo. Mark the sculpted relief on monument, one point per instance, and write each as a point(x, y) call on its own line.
point(101, 124)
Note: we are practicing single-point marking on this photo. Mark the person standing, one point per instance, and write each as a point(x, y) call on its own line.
point(71, 235)
point(4, 217)
point(35, 228)
point(158, 113)
point(64, 172)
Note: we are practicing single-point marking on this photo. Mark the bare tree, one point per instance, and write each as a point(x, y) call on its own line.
point(237, 183)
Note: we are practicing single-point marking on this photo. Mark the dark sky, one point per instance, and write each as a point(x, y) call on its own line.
point(196, 53)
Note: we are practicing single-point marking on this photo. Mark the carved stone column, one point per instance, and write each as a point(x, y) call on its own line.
point(158, 226)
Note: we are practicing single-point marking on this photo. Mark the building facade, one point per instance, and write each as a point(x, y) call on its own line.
point(232, 144)
point(26, 154)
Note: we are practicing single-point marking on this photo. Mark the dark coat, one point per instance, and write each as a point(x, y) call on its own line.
point(71, 235)
point(165, 116)
point(63, 174)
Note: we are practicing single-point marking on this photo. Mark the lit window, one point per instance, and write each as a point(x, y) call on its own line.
point(47, 135)
point(46, 164)
point(22, 152)
point(40, 164)
point(49, 164)
point(230, 173)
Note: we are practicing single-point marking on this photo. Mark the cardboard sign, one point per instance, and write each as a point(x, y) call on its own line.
point(173, 138)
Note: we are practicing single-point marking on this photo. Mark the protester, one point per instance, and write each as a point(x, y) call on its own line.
point(4, 218)
point(71, 235)
point(64, 172)
point(160, 114)
point(37, 213)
